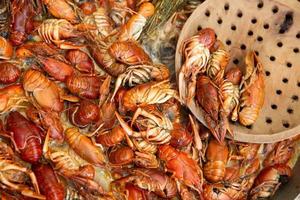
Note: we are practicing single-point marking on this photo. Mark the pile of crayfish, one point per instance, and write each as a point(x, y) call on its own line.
point(87, 114)
point(222, 93)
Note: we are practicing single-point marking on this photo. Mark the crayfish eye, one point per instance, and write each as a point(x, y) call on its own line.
point(169, 173)
point(284, 179)
point(216, 190)
point(165, 192)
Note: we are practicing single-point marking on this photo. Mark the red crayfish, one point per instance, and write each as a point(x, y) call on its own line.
point(182, 166)
point(26, 137)
point(47, 179)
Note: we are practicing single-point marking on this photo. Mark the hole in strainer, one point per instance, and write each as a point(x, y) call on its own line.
point(272, 58)
point(249, 127)
point(279, 44)
point(298, 35)
point(296, 50)
point(226, 6)
point(275, 9)
point(290, 111)
point(298, 84)
point(257, 53)
point(289, 65)
point(199, 28)
point(253, 20)
point(266, 26)
point(268, 73)
point(220, 21)
point(269, 120)
point(279, 92)
point(228, 42)
point(233, 27)
point(240, 14)
point(250, 33)
point(259, 38)
point(285, 80)
point(260, 4)
point(243, 47)
point(274, 106)
point(207, 13)
point(295, 98)
point(285, 124)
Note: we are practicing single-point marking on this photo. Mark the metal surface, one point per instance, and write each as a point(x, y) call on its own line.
point(290, 191)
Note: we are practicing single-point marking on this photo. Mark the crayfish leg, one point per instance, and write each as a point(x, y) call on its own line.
point(126, 127)
point(28, 193)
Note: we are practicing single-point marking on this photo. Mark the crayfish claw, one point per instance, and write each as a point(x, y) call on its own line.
point(124, 125)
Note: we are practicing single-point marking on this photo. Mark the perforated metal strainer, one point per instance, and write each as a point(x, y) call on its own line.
point(272, 29)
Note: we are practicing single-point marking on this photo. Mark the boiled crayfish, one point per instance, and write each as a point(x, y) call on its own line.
point(43, 92)
point(252, 93)
point(182, 166)
point(196, 53)
point(13, 176)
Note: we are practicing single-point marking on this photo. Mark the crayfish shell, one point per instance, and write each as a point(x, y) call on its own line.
point(87, 112)
point(45, 92)
point(253, 90)
point(234, 75)
point(110, 138)
point(61, 9)
point(46, 177)
point(129, 52)
point(81, 61)
point(9, 73)
point(217, 155)
point(208, 96)
point(121, 156)
point(6, 49)
point(21, 25)
point(85, 86)
point(88, 7)
point(26, 136)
